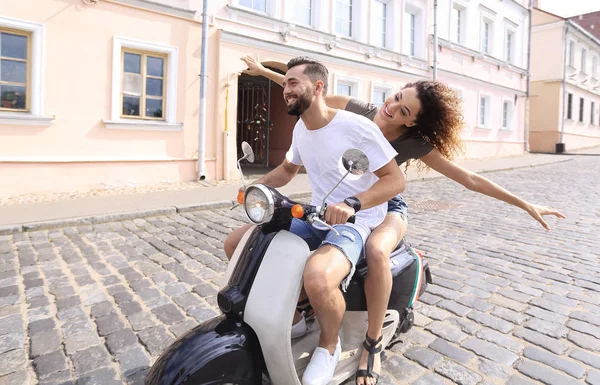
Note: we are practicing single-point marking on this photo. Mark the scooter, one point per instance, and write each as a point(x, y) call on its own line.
point(250, 343)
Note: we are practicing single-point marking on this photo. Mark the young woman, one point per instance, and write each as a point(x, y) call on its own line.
point(423, 121)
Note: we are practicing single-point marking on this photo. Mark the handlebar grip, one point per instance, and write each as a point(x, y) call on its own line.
point(352, 219)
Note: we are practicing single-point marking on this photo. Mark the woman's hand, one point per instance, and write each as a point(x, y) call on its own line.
point(537, 212)
point(254, 66)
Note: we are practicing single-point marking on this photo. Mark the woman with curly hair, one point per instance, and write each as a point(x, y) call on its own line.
point(423, 121)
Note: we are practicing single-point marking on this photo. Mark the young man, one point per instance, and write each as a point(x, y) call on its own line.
point(320, 137)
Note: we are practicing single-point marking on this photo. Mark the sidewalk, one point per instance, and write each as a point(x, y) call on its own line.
point(24, 217)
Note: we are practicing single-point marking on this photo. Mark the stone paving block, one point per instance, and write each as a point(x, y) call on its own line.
point(584, 341)
point(491, 321)
point(568, 366)
point(103, 376)
point(490, 351)
point(101, 309)
point(586, 357)
point(551, 306)
point(90, 359)
point(17, 378)
point(133, 361)
point(109, 324)
point(548, 343)
point(121, 341)
point(492, 369)
point(447, 331)
point(168, 314)
point(76, 325)
point(500, 339)
point(424, 356)
point(544, 374)
point(546, 315)
point(593, 377)
point(62, 377)
point(40, 325)
point(11, 341)
point(141, 321)
point(457, 373)
point(510, 315)
point(183, 327)
point(454, 307)
point(81, 341)
point(586, 317)
point(50, 363)
point(399, 364)
point(584, 327)
point(450, 350)
point(548, 328)
point(156, 339)
point(475, 303)
point(518, 380)
point(44, 343)
point(12, 361)
point(432, 379)
point(130, 308)
point(443, 292)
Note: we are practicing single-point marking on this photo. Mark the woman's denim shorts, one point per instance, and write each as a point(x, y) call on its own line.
point(398, 206)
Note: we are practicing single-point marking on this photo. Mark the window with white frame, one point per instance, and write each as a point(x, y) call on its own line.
point(572, 54)
point(379, 94)
point(484, 111)
point(380, 22)
point(583, 60)
point(22, 69)
point(458, 24)
point(15, 62)
point(581, 107)
point(144, 82)
point(301, 11)
point(509, 46)
point(413, 30)
point(487, 36)
point(595, 67)
point(346, 86)
point(593, 113)
point(257, 5)
point(343, 17)
point(507, 113)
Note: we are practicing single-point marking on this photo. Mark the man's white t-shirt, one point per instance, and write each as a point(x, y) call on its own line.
point(319, 151)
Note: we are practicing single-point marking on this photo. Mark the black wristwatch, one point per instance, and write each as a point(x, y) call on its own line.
point(353, 202)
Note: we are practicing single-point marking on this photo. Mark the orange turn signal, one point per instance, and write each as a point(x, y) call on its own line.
point(240, 197)
point(297, 211)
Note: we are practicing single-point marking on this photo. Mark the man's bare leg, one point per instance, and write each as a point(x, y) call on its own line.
point(324, 272)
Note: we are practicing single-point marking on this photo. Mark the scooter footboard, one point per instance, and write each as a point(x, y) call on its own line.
point(220, 349)
point(271, 303)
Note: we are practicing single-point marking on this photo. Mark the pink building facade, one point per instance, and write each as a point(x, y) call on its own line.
point(106, 93)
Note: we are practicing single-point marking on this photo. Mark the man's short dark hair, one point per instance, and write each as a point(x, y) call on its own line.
point(315, 70)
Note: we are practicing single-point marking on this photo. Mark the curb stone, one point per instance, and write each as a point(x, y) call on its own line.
point(103, 218)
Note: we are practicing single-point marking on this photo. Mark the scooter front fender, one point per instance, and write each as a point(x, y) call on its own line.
point(220, 349)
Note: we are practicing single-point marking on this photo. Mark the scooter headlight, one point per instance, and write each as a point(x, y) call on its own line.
point(258, 204)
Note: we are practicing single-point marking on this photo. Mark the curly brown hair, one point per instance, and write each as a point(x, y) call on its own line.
point(440, 120)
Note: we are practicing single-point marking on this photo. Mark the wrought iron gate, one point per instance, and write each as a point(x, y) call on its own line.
point(253, 117)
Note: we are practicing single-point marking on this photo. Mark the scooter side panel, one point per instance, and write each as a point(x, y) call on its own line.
point(271, 303)
point(236, 256)
point(218, 349)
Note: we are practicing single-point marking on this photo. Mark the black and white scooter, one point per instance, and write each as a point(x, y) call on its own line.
point(250, 343)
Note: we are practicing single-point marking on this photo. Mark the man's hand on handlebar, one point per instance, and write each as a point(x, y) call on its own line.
point(338, 214)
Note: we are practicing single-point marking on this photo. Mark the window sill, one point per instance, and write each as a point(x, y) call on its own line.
point(484, 128)
point(26, 119)
point(506, 129)
point(142, 125)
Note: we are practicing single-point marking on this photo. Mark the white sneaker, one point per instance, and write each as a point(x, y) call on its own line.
point(322, 366)
point(299, 329)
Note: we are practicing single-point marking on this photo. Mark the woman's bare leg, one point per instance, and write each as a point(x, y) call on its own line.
point(378, 285)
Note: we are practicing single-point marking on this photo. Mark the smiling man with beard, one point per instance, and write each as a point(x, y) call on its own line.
point(320, 137)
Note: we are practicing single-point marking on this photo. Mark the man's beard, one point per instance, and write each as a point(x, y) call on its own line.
point(302, 103)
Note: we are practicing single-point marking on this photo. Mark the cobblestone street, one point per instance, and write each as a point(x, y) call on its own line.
point(511, 304)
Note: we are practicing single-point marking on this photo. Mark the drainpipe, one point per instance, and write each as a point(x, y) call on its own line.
point(560, 146)
point(202, 114)
point(528, 102)
point(435, 40)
